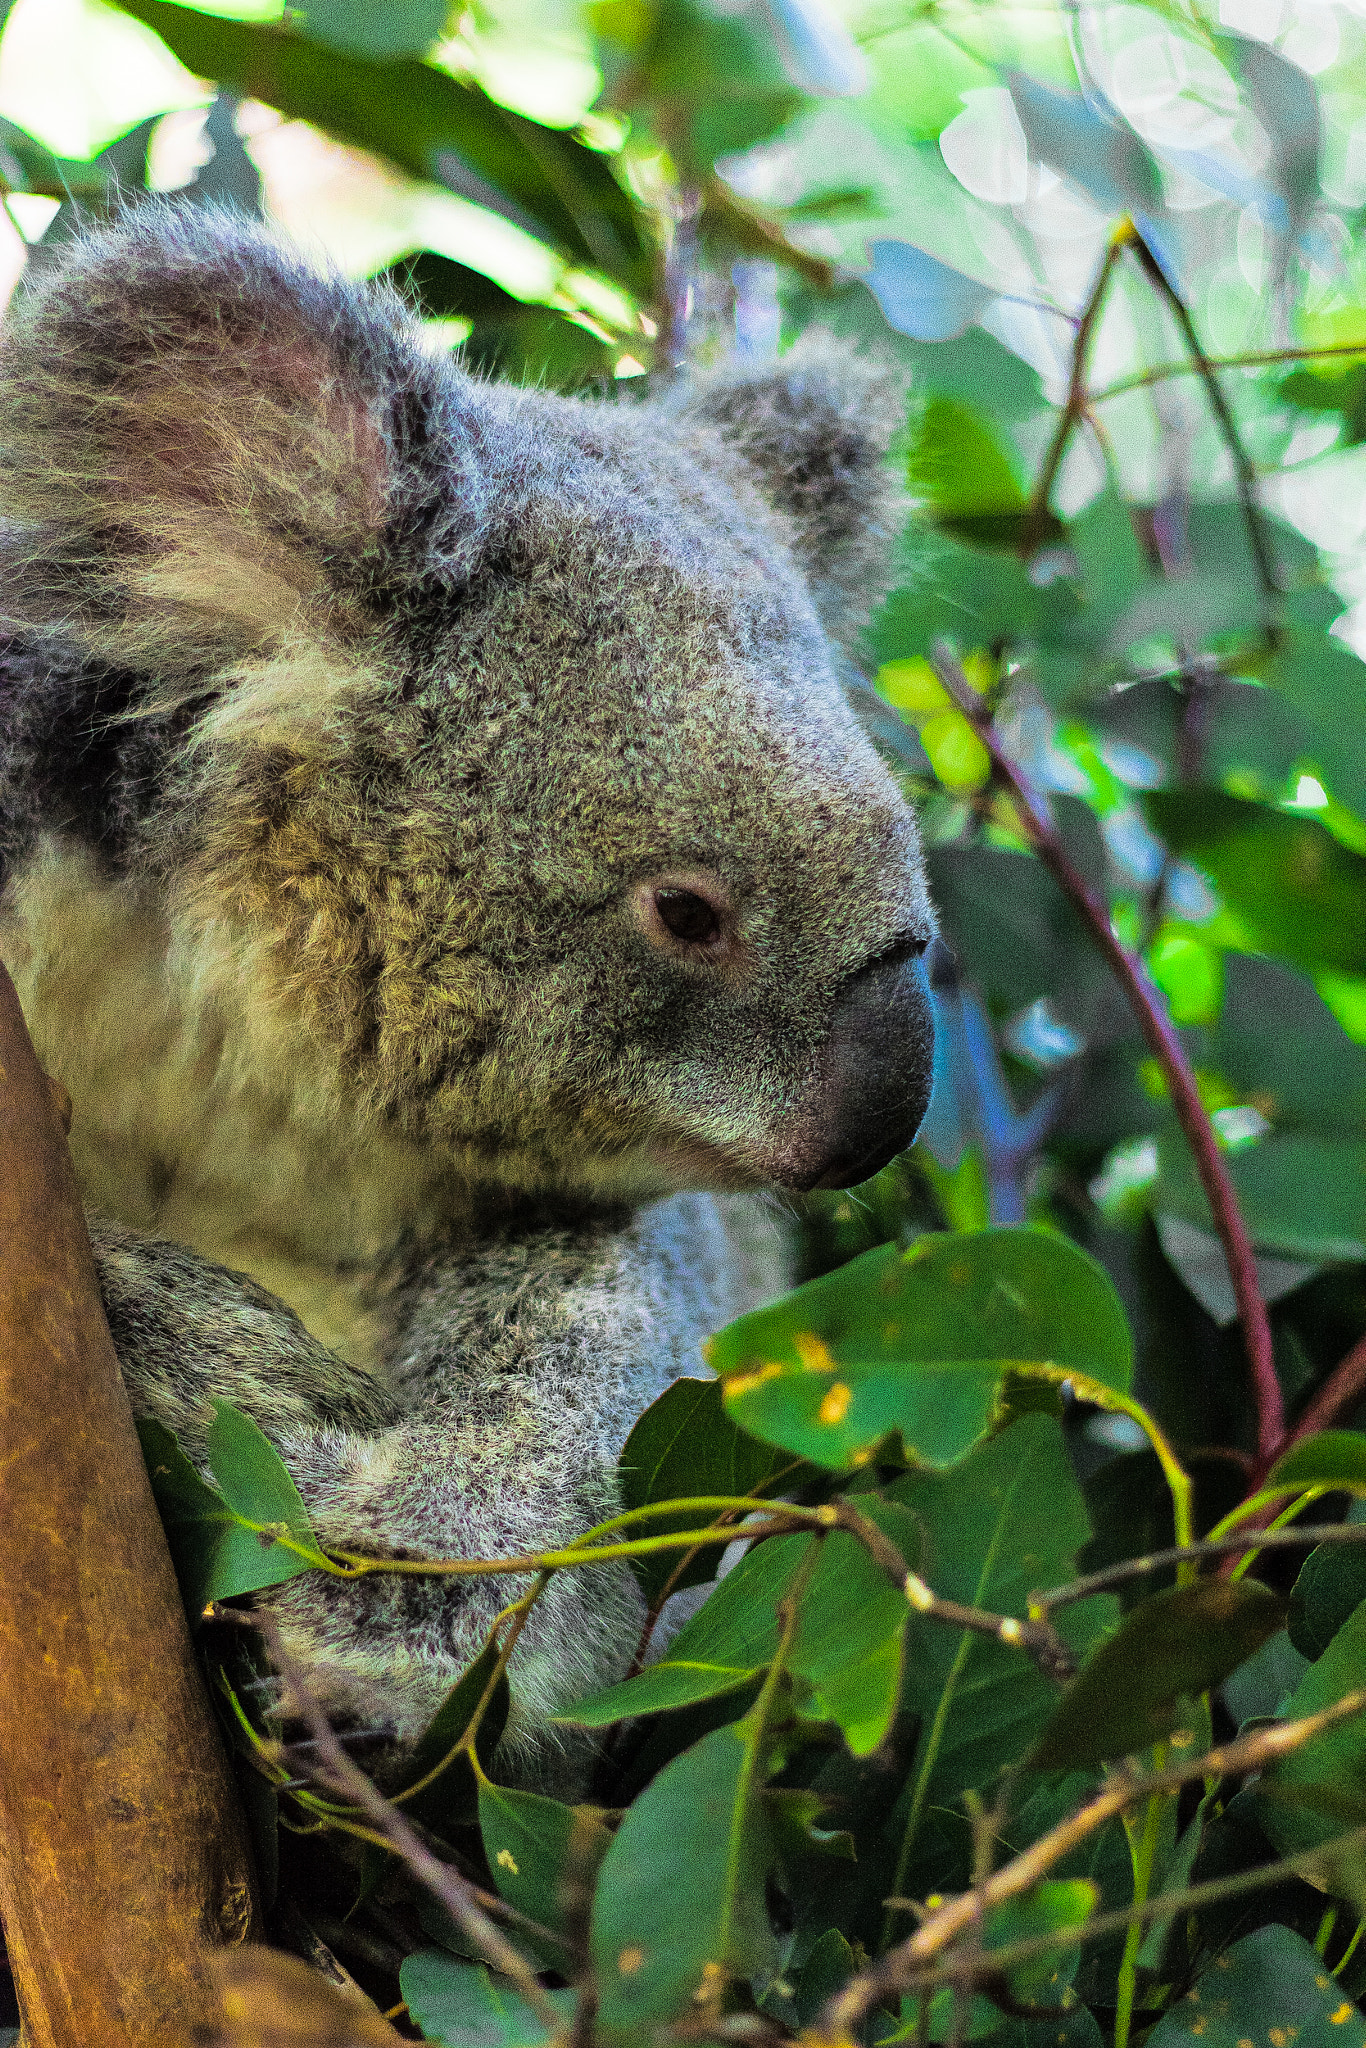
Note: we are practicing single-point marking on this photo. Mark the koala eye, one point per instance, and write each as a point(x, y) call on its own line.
point(688, 916)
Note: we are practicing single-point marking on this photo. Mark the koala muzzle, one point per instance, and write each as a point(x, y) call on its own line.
point(875, 1081)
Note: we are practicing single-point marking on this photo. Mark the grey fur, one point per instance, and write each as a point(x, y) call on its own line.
point(354, 714)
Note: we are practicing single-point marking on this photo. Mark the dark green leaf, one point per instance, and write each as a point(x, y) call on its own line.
point(544, 1857)
point(1335, 1457)
point(847, 1645)
point(255, 1482)
point(400, 28)
point(1010, 1519)
point(1015, 933)
point(1325, 681)
point(827, 1970)
point(656, 1946)
point(1271, 1983)
point(429, 124)
point(914, 1346)
point(215, 1558)
point(460, 2004)
point(1295, 890)
point(686, 1444)
point(1331, 1585)
point(1332, 388)
point(1319, 1790)
point(1129, 1694)
point(1280, 1046)
point(1302, 1196)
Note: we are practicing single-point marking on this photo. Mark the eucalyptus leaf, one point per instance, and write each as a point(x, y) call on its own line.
point(1269, 1983)
point(914, 1346)
point(921, 296)
point(1177, 1643)
point(460, 2004)
point(214, 1555)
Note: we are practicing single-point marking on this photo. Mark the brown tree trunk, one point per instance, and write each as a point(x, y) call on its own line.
point(123, 1853)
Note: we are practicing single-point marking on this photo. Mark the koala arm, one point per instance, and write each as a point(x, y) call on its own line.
point(516, 1370)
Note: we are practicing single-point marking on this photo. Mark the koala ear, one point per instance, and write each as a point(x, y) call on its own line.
point(206, 447)
point(814, 432)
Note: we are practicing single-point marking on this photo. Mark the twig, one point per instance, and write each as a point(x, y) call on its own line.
point(1343, 1388)
point(989, 1963)
point(1245, 476)
point(900, 1969)
point(455, 1893)
point(1076, 395)
point(1043, 1604)
point(1259, 359)
point(1161, 1036)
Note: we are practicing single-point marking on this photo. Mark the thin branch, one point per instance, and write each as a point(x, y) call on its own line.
point(1340, 1392)
point(1166, 1046)
point(1258, 359)
point(989, 1963)
point(455, 1893)
point(901, 1968)
point(1308, 1538)
point(1077, 401)
point(1245, 476)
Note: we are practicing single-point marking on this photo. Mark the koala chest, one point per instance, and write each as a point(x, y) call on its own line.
point(189, 1124)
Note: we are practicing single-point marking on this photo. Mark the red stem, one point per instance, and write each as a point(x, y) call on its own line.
point(1343, 1388)
point(1157, 1029)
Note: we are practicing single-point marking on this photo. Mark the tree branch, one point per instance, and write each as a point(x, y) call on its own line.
point(902, 1968)
point(335, 1769)
point(1161, 1036)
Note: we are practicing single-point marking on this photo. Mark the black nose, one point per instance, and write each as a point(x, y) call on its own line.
point(878, 1069)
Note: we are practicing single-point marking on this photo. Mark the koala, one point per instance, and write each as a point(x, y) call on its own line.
point(439, 859)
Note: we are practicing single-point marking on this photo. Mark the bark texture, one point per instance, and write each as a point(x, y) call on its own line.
point(123, 1854)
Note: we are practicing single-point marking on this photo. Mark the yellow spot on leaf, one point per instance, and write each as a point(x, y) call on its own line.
point(960, 1275)
point(712, 1985)
point(835, 1406)
point(1247, 2044)
point(630, 1960)
point(861, 1458)
point(1198, 2026)
point(741, 1382)
point(813, 1354)
point(1344, 2012)
point(890, 1331)
point(507, 1861)
point(1278, 2037)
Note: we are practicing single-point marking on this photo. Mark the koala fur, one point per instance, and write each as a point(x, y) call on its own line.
point(438, 858)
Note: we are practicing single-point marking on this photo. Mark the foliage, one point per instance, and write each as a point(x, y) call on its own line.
point(1126, 1261)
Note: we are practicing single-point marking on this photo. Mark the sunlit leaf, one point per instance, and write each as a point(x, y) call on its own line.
point(544, 1857)
point(921, 296)
point(1105, 157)
point(914, 1346)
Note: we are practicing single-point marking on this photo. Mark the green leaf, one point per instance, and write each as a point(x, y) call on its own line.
point(1331, 389)
point(1335, 1457)
point(401, 28)
point(544, 1857)
point(1008, 1520)
point(1331, 1584)
point(1279, 1045)
point(255, 1482)
point(215, 1557)
point(1301, 1195)
point(969, 482)
point(847, 1644)
point(1326, 682)
point(1319, 1790)
point(1293, 888)
point(686, 1444)
point(1176, 1644)
point(655, 1945)
point(451, 1799)
point(1269, 1984)
point(915, 1346)
point(430, 124)
point(1016, 933)
point(460, 2004)
point(1047, 1908)
point(827, 1970)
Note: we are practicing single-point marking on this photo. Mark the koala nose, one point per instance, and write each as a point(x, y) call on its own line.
point(877, 1072)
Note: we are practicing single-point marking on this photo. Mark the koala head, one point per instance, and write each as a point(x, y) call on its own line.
point(490, 743)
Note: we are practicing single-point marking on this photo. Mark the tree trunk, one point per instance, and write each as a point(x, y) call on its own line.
point(123, 1853)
